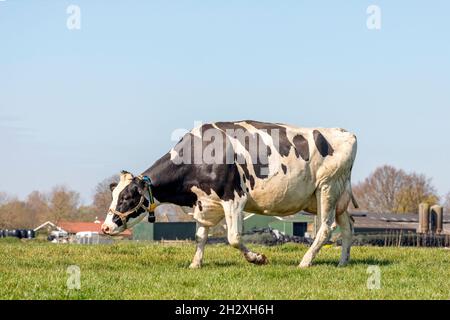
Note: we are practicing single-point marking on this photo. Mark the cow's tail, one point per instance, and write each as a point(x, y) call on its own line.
point(354, 143)
point(350, 196)
point(355, 203)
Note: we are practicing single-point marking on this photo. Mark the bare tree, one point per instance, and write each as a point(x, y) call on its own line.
point(377, 193)
point(86, 213)
point(103, 196)
point(38, 207)
point(392, 190)
point(63, 204)
point(14, 215)
point(3, 198)
point(417, 188)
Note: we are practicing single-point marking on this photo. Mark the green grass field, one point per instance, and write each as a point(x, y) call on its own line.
point(33, 270)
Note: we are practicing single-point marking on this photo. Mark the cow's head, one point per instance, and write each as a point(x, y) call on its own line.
point(129, 203)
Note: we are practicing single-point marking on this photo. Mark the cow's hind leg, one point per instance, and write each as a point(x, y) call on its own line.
point(346, 224)
point(234, 218)
point(202, 237)
point(327, 198)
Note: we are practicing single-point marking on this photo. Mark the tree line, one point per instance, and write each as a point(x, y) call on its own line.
point(60, 204)
point(386, 190)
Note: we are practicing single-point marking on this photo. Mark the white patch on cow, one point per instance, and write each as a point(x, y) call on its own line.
point(202, 237)
point(125, 180)
point(174, 156)
point(212, 210)
point(234, 215)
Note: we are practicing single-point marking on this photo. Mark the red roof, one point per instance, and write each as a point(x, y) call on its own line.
point(75, 227)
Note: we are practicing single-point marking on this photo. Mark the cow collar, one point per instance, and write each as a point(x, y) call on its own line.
point(151, 204)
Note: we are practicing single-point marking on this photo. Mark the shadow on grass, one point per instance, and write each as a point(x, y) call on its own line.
point(212, 265)
point(222, 264)
point(334, 262)
point(355, 262)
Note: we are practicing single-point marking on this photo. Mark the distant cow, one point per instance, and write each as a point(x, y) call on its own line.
point(222, 169)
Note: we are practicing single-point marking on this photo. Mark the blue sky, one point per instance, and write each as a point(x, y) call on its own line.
point(78, 106)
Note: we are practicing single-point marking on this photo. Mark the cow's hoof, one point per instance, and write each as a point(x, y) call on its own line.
point(343, 264)
point(195, 266)
point(256, 258)
point(261, 260)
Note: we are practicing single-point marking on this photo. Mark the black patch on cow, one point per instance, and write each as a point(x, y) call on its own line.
point(247, 175)
point(252, 182)
point(322, 144)
point(301, 147)
point(244, 179)
point(285, 145)
point(199, 204)
point(284, 168)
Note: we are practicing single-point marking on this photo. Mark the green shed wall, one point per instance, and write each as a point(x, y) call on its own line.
point(286, 227)
point(257, 222)
point(143, 231)
point(175, 231)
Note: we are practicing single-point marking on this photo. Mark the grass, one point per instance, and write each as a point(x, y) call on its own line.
point(35, 270)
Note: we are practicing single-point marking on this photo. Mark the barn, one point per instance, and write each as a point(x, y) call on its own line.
point(366, 222)
point(303, 224)
point(298, 225)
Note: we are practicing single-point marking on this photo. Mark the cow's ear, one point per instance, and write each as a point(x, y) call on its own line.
point(142, 186)
point(112, 186)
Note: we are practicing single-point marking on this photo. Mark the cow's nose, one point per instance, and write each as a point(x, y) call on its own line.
point(106, 229)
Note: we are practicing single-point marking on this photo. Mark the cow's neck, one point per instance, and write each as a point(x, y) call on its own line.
point(168, 183)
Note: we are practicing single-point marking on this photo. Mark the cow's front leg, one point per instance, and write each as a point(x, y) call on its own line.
point(202, 237)
point(234, 217)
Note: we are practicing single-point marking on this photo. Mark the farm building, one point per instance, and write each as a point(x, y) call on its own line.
point(74, 231)
point(296, 225)
point(165, 231)
point(172, 223)
point(76, 227)
point(388, 222)
point(304, 223)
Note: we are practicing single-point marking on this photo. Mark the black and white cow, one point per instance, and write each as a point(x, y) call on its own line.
point(222, 169)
